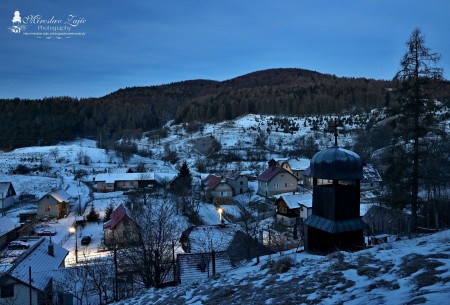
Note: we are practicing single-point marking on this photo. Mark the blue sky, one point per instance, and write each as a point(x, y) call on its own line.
point(148, 42)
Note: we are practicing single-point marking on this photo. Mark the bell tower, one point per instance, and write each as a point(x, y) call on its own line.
point(335, 223)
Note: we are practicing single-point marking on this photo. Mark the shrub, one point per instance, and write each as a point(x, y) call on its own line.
point(22, 169)
point(281, 266)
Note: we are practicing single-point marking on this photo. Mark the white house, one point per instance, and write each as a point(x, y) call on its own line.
point(38, 262)
point(276, 180)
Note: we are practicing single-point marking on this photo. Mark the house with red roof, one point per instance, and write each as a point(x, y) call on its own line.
point(122, 229)
point(276, 180)
point(217, 189)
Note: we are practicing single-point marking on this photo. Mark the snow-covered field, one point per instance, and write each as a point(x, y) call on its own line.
point(410, 271)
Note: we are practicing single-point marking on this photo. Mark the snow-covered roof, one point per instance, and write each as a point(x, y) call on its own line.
point(216, 237)
point(370, 174)
point(41, 263)
point(164, 177)
point(6, 225)
point(294, 201)
point(233, 175)
point(113, 177)
point(299, 164)
point(60, 195)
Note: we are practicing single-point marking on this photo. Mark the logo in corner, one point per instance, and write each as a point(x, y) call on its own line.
point(17, 26)
point(47, 27)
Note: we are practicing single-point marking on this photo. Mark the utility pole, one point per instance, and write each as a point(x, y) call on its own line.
point(116, 288)
point(29, 282)
point(3, 207)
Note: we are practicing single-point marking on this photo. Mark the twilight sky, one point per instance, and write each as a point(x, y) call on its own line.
point(149, 42)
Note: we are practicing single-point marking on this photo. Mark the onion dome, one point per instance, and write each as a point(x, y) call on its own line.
point(336, 163)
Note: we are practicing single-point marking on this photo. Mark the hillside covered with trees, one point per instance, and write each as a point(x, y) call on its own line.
point(130, 111)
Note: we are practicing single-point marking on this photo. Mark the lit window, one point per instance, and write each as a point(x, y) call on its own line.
point(47, 208)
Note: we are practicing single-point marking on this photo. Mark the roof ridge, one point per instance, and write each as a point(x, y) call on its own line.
point(25, 255)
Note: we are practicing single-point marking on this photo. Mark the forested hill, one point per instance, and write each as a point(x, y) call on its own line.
point(285, 91)
point(137, 109)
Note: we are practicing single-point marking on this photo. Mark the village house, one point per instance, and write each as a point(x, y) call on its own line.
point(290, 208)
point(383, 220)
point(237, 181)
point(121, 229)
point(276, 180)
point(111, 182)
point(214, 249)
point(54, 204)
point(8, 231)
point(30, 275)
point(371, 178)
point(295, 166)
point(217, 189)
point(8, 195)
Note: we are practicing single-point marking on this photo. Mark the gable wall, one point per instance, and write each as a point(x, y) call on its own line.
point(282, 183)
point(21, 294)
point(47, 200)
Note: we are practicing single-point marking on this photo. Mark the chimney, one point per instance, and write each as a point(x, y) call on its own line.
point(50, 248)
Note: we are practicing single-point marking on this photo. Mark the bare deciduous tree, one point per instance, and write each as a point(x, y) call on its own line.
point(151, 258)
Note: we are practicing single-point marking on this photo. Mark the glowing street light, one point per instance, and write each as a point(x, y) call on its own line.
point(220, 210)
point(74, 231)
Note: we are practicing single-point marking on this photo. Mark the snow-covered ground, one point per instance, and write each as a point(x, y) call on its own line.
point(410, 271)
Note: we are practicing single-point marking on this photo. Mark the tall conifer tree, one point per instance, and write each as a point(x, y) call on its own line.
point(415, 111)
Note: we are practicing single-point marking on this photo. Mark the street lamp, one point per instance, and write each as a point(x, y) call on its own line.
point(74, 230)
point(220, 210)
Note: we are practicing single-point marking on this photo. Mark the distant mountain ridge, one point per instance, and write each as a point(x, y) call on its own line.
point(273, 91)
point(130, 111)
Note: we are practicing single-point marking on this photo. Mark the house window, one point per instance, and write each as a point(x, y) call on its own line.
point(285, 185)
point(282, 210)
point(275, 185)
point(109, 184)
point(241, 182)
point(47, 208)
point(7, 291)
point(223, 194)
